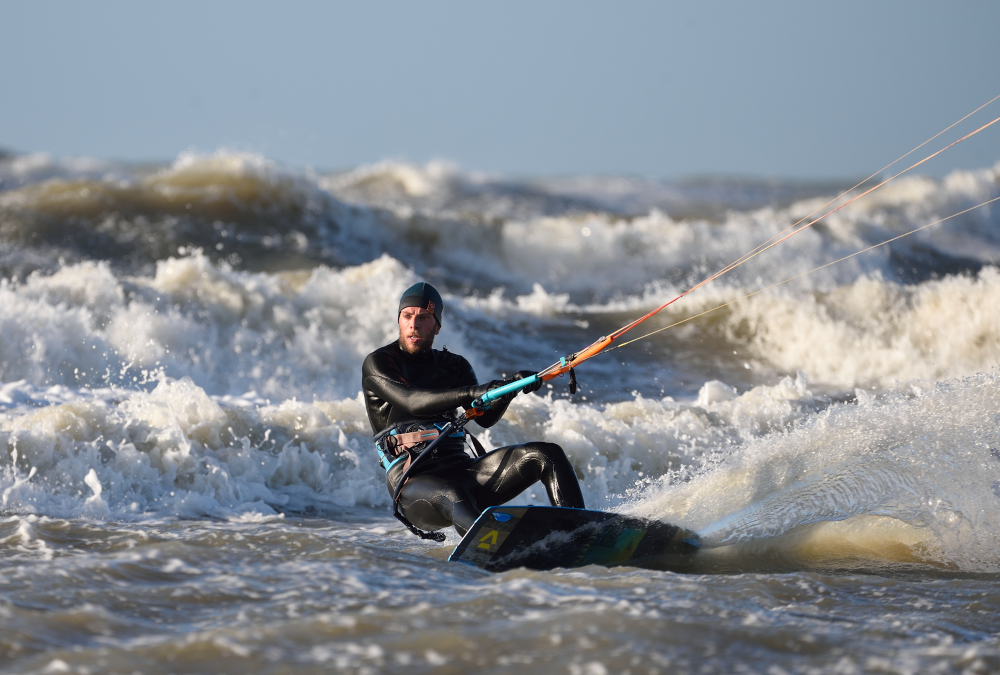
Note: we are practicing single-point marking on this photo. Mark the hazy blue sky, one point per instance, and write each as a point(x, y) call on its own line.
point(791, 89)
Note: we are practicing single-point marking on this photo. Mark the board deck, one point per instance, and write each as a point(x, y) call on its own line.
point(546, 537)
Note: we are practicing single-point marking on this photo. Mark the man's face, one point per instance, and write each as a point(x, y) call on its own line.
point(417, 328)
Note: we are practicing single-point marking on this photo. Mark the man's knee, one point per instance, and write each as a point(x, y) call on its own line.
point(547, 452)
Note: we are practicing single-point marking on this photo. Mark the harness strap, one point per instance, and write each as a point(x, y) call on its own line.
point(476, 445)
point(391, 444)
point(407, 441)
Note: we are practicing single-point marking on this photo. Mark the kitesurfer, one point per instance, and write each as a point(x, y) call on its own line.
point(411, 391)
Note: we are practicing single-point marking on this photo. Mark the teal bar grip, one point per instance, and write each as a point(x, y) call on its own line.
point(494, 394)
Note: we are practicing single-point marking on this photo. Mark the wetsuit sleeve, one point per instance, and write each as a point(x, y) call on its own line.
point(381, 378)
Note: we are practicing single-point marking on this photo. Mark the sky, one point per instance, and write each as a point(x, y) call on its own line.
point(802, 90)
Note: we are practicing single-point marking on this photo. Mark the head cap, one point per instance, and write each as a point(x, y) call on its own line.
point(425, 296)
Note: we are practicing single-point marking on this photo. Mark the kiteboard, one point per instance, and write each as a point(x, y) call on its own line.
point(546, 537)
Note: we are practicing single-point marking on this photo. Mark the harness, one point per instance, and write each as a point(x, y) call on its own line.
point(394, 444)
point(433, 437)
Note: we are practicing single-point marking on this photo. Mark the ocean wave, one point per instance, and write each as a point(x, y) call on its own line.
point(911, 477)
point(259, 216)
point(282, 335)
point(175, 450)
point(240, 208)
point(22, 170)
point(868, 333)
point(774, 475)
point(877, 333)
point(441, 187)
point(305, 333)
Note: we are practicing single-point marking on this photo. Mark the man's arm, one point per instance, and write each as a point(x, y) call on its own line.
point(422, 402)
point(381, 378)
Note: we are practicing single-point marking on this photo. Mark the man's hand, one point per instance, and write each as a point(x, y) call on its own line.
point(478, 390)
point(521, 374)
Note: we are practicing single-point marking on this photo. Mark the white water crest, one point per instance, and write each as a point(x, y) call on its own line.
point(912, 476)
point(176, 450)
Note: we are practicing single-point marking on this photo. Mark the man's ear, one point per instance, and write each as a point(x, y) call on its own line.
point(437, 330)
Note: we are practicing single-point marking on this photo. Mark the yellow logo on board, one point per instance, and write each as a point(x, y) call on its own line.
point(492, 536)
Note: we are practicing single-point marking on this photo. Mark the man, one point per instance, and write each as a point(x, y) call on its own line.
point(411, 390)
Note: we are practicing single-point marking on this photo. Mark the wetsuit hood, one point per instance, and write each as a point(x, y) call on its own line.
point(425, 296)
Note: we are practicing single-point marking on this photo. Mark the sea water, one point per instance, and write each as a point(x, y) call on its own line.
point(188, 484)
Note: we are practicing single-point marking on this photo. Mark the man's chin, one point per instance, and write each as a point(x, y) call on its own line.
point(418, 348)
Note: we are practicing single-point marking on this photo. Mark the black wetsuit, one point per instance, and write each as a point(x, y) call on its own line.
point(452, 488)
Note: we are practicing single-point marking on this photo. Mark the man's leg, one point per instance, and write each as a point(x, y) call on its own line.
point(507, 472)
point(432, 502)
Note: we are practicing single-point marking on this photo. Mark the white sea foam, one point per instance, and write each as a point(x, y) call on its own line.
point(597, 255)
point(282, 335)
point(875, 332)
point(176, 450)
point(920, 468)
point(304, 334)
